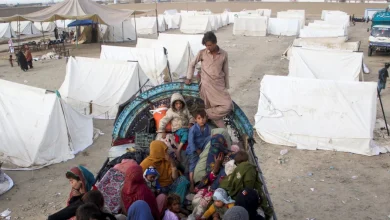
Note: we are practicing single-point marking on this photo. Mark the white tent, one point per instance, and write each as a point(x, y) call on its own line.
point(37, 129)
point(198, 24)
point(146, 25)
point(119, 33)
point(225, 18)
point(179, 53)
point(322, 43)
point(308, 32)
point(330, 27)
point(195, 40)
point(25, 27)
point(283, 26)
point(250, 26)
point(100, 85)
point(317, 114)
point(6, 31)
point(172, 20)
point(337, 18)
point(265, 12)
point(338, 65)
point(162, 26)
point(45, 26)
point(298, 14)
point(152, 61)
point(232, 16)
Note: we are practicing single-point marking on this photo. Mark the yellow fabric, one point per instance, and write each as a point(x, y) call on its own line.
point(211, 210)
point(156, 158)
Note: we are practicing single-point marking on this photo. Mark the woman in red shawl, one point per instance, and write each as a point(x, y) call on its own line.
point(134, 188)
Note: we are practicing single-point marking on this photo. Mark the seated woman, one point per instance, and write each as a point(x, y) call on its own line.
point(246, 176)
point(139, 210)
point(209, 169)
point(111, 183)
point(169, 178)
point(81, 181)
point(134, 188)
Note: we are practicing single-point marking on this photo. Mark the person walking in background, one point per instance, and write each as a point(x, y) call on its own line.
point(214, 79)
point(28, 55)
point(56, 33)
point(382, 78)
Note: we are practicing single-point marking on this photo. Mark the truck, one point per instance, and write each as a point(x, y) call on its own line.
point(379, 39)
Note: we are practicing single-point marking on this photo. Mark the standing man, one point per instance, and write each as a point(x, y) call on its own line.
point(56, 33)
point(28, 56)
point(214, 79)
point(383, 75)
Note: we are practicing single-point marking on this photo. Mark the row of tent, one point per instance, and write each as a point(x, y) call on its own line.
point(291, 23)
point(40, 127)
point(323, 102)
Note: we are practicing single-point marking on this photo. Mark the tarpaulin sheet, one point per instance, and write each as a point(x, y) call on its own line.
point(250, 26)
point(104, 83)
point(283, 26)
point(152, 61)
point(325, 64)
point(317, 114)
point(179, 53)
point(6, 31)
point(197, 24)
point(35, 127)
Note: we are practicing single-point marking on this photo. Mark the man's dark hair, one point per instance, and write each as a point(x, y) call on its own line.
point(172, 199)
point(88, 211)
point(387, 65)
point(240, 157)
point(95, 197)
point(201, 113)
point(209, 36)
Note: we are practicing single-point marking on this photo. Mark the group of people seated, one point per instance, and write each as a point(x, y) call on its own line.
point(202, 176)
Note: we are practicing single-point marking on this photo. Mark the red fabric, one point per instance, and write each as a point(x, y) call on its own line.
point(134, 188)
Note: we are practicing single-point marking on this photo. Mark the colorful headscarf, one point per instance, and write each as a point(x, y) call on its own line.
point(221, 195)
point(134, 188)
point(139, 210)
point(157, 159)
point(84, 175)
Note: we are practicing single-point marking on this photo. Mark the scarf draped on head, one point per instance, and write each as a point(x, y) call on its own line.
point(85, 176)
point(134, 188)
point(139, 210)
point(156, 158)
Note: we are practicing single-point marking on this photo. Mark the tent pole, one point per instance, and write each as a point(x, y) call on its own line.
point(157, 19)
point(18, 28)
point(383, 112)
point(123, 34)
point(135, 28)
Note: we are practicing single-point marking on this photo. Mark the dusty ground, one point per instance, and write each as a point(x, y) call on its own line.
point(336, 194)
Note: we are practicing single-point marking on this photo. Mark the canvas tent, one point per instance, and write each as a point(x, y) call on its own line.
point(152, 61)
point(195, 40)
point(146, 25)
point(172, 20)
point(322, 43)
point(178, 52)
point(100, 85)
point(298, 14)
point(250, 26)
point(338, 65)
point(198, 24)
point(283, 26)
point(45, 26)
point(309, 32)
point(25, 28)
point(38, 129)
point(119, 33)
point(6, 31)
point(317, 114)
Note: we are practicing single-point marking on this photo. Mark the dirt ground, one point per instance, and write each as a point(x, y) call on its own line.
point(335, 195)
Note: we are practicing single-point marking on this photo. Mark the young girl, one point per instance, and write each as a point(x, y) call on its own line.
point(180, 119)
point(173, 204)
point(222, 202)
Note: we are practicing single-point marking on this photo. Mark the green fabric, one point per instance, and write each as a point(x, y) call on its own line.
point(246, 175)
point(200, 168)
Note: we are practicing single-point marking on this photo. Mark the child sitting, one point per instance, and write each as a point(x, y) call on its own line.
point(180, 119)
point(173, 204)
point(245, 175)
point(222, 202)
point(198, 137)
point(151, 179)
